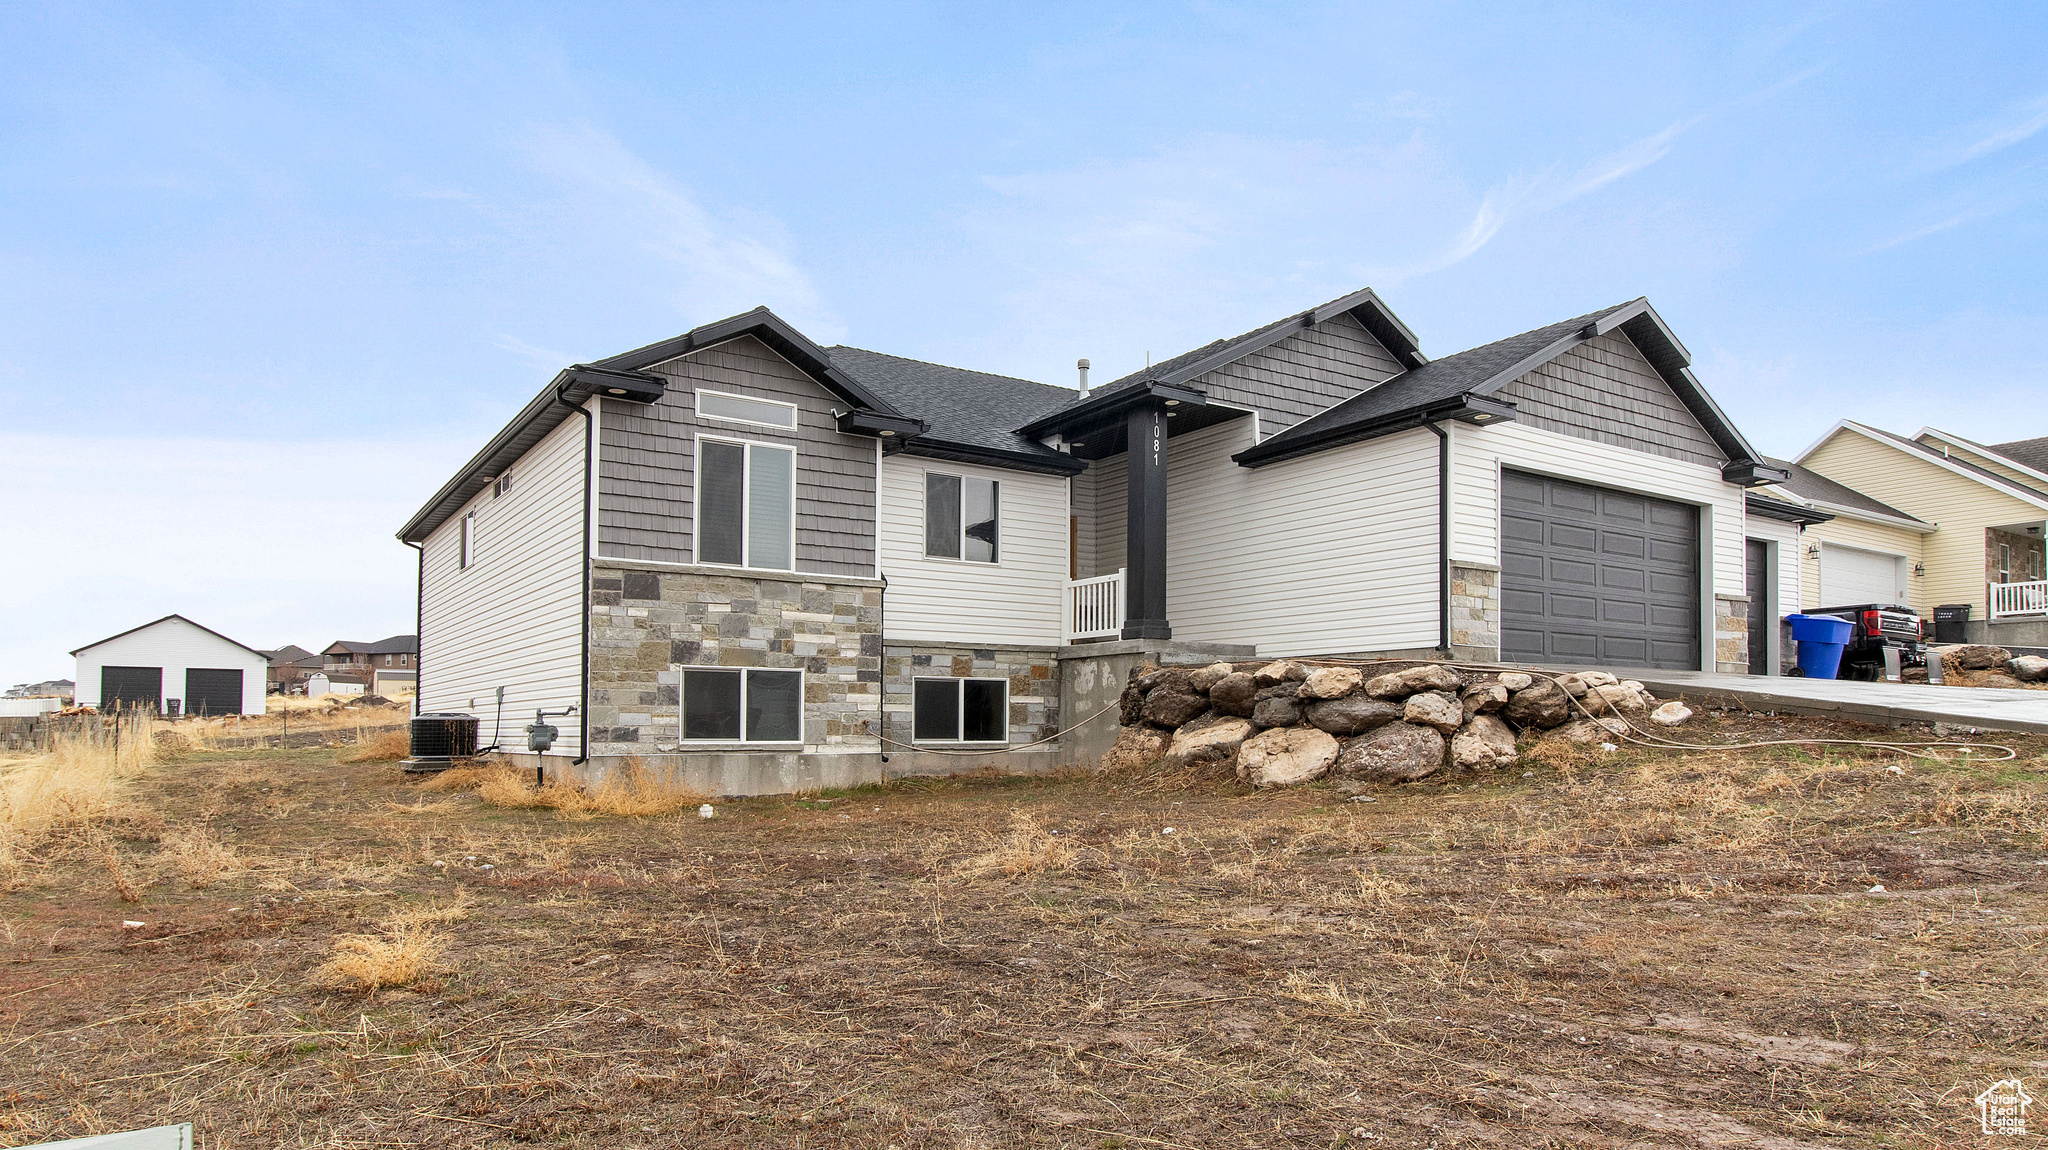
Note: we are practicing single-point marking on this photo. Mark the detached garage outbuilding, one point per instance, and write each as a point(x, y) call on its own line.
point(172, 664)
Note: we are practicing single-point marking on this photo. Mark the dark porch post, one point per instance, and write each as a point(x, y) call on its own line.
point(1145, 525)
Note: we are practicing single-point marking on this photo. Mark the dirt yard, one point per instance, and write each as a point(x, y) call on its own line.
point(1766, 949)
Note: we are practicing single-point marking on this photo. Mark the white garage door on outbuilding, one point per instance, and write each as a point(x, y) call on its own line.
point(1851, 575)
point(172, 661)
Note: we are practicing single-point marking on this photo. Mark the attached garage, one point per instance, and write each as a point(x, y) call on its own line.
point(1851, 575)
point(1591, 575)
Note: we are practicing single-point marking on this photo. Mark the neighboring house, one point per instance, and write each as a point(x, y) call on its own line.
point(47, 689)
point(289, 666)
point(759, 554)
point(399, 652)
point(172, 664)
point(1971, 522)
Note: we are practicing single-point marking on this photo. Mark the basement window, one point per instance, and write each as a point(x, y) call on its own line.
point(960, 517)
point(960, 711)
point(735, 706)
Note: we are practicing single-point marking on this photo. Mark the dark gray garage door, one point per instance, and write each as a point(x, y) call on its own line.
point(1590, 575)
point(124, 687)
point(213, 691)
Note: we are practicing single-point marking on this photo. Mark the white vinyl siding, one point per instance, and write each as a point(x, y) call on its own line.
point(1334, 552)
point(512, 619)
point(176, 646)
point(1787, 562)
point(1012, 602)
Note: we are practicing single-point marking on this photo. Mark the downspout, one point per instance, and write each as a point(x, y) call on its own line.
point(583, 688)
point(419, 617)
point(1443, 538)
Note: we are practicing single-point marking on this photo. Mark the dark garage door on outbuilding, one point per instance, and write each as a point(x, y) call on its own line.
point(1591, 575)
point(213, 691)
point(124, 687)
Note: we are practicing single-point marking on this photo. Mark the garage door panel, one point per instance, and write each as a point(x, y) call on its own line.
point(1850, 575)
point(124, 687)
point(1637, 605)
point(213, 691)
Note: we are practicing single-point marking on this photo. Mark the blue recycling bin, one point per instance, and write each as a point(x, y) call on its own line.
point(1821, 639)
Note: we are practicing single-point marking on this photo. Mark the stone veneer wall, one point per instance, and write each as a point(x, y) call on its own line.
point(1033, 672)
point(1731, 634)
point(2023, 548)
point(647, 624)
point(1475, 609)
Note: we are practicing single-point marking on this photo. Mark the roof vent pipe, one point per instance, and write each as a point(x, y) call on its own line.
point(1082, 364)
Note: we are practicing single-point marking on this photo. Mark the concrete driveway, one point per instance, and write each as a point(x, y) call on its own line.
point(1986, 708)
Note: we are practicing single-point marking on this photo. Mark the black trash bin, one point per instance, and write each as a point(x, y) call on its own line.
point(1952, 623)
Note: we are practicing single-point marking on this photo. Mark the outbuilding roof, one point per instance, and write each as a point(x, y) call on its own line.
point(180, 618)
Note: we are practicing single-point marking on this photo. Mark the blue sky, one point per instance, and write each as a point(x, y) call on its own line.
point(269, 273)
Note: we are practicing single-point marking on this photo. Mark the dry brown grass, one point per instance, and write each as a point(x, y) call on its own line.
point(632, 790)
point(1028, 848)
point(380, 747)
point(84, 776)
point(199, 857)
point(405, 954)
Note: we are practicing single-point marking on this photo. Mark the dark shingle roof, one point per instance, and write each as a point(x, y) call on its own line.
point(291, 654)
point(1819, 488)
point(969, 409)
point(2026, 452)
point(1438, 380)
point(1168, 367)
point(395, 645)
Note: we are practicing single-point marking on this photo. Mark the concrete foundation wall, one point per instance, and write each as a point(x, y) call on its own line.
point(1092, 677)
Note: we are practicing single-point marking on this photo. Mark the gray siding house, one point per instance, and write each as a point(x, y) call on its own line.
point(766, 564)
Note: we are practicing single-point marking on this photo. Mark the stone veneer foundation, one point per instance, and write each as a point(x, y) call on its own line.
point(1731, 634)
point(1033, 673)
point(1475, 610)
point(648, 624)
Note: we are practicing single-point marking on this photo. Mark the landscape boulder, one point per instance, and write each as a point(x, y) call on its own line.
point(1434, 709)
point(1515, 680)
point(1401, 684)
point(1540, 704)
point(1396, 753)
point(1214, 744)
point(1284, 756)
point(1147, 676)
point(1585, 732)
point(1351, 715)
point(1282, 671)
point(1135, 746)
point(1203, 680)
point(2029, 668)
point(1171, 703)
point(1572, 685)
point(1484, 743)
point(1331, 682)
point(1277, 706)
point(1671, 714)
point(1235, 694)
point(1977, 657)
point(1483, 699)
point(1611, 698)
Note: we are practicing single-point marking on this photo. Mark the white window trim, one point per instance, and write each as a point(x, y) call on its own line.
point(924, 520)
point(746, 500)
point(795, 413)
point(961, 712)
point(742, 741)
point(2005, 562)
point(465, 541)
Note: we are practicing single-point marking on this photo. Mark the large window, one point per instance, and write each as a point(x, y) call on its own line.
point(734, 706)
point(746, 504)
point(960, 516)
point(960, 711)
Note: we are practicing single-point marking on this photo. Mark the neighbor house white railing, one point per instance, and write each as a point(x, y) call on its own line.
point(1094, 608)
point(2019, 599)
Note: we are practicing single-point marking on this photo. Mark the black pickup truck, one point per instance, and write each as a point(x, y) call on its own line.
point(1878, 626)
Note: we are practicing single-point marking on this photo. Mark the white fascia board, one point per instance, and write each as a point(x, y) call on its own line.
point(1974, 447)
point(1841, 512)
point(1816, 444)
point(1937, 460)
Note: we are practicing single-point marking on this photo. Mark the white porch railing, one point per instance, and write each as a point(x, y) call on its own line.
point(2009, 599)
point(1094, 608)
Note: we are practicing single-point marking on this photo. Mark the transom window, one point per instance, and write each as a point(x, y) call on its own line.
point(960, 710)
point(735, 706)
point(961, 513)
point(746, 504)
point(742, 409)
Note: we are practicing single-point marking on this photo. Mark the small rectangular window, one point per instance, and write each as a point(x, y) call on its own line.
point(502, 486)
point(2005, 562)
point(961, 517)
point(960, 710)
point(732, 706)
point(467, 542)
point(740, 409)
point(746, 504)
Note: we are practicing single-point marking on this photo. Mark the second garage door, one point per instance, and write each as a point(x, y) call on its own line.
point(1596, 576)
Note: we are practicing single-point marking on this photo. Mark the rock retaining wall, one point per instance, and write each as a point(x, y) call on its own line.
point(1286, 722)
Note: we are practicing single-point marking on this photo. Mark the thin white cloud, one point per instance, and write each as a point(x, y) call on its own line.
point(545, 358)
point(716, 265)
point(1957, 220)
point(2032, 118)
